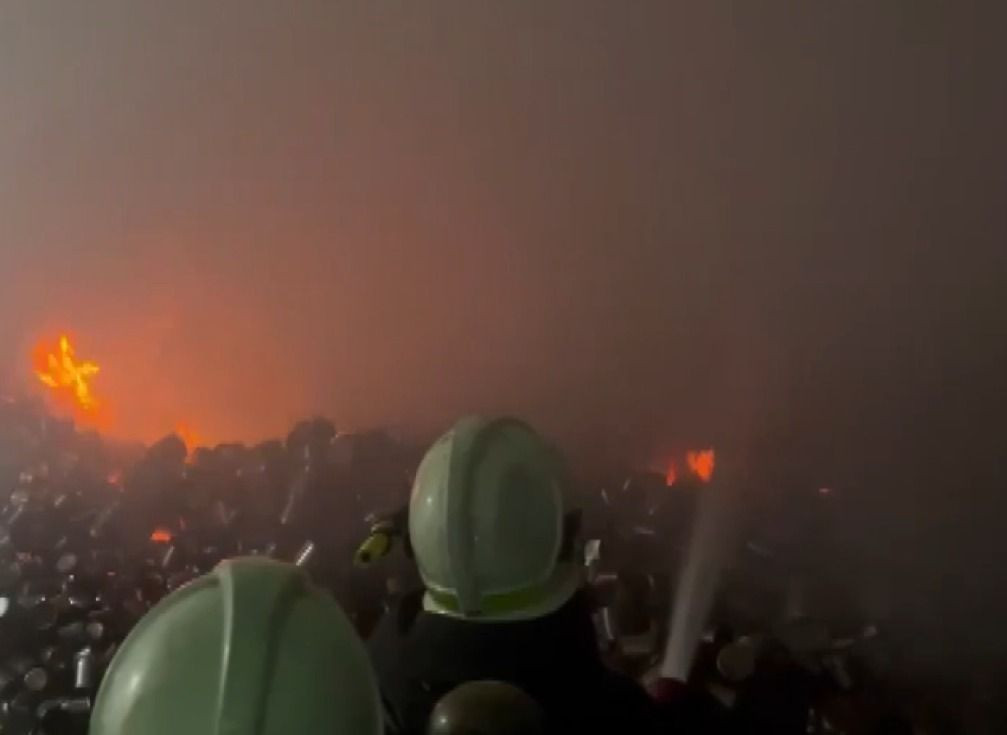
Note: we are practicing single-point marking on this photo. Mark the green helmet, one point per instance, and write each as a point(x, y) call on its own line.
point(486, 708)
point(250, 649)
point(486, 523)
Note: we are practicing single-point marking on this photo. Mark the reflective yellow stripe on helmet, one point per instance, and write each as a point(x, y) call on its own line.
point(498, 604)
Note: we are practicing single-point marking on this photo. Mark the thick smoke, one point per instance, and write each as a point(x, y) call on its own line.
point(393, 214)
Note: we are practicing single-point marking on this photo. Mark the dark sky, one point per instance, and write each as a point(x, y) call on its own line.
point(671, 220)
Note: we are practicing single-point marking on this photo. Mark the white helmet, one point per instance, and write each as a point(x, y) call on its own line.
point(486, 523)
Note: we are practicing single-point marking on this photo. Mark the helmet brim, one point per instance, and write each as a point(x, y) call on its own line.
point(556, 592)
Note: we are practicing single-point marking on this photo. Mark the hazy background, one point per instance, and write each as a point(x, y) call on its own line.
point(645, 225)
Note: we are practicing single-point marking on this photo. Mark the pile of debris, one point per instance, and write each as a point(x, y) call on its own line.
point(93, 535)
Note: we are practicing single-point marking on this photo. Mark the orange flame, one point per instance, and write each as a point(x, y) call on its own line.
point(161, 536)
point(188, 436)
point(60, 370)
point(670, 475)
point(701, 463)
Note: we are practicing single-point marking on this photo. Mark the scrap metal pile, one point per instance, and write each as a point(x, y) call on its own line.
point(93, 535)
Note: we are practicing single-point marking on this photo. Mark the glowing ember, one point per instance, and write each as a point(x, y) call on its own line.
point(185, 432)
point(60, 370)
point(670, 475)
point(161, 536)
point(701, 463)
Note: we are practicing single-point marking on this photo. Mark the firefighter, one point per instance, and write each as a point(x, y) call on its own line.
point(503, 598)
point(250, 649)
point(486, 708)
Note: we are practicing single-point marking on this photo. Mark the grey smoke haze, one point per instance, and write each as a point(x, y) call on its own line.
point(648, 222)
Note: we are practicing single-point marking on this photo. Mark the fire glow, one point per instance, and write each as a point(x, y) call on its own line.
point(70, 384)
point(188, 436)
point(701, 463)
point(161, 536)
point(58, 368)
point(670, 475)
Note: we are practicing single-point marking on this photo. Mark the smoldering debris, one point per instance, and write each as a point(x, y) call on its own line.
point(92, 535)
point(87, 547)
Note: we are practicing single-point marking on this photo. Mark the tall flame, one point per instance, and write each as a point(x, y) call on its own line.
point(701, 463)
point(60, 370)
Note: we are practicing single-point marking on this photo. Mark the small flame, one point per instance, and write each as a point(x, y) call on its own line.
point(59, 369)
point(161, 536)
point(701, 463)
point(670, 475)
point(186, 433)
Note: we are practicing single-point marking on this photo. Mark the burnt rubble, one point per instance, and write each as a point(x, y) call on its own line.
point(93, 534)
point(91, 537)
